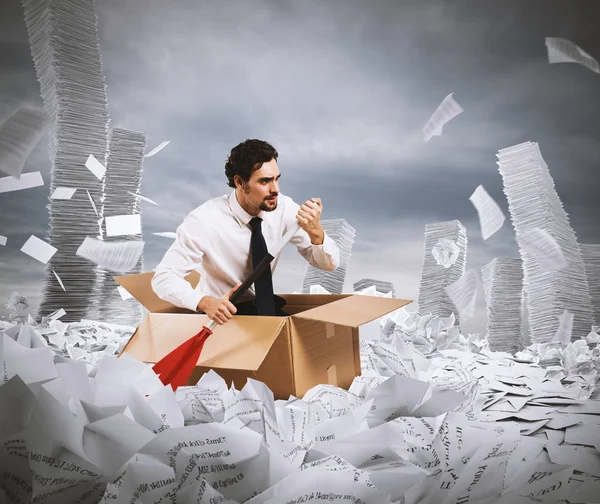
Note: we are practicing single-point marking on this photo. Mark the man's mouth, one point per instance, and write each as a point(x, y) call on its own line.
point(272, 198)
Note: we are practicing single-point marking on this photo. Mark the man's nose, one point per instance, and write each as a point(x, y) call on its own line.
point(275, 187)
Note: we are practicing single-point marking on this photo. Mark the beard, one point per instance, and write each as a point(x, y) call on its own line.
point(268, 206)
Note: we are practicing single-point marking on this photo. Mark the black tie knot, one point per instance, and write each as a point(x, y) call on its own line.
point(255, 223)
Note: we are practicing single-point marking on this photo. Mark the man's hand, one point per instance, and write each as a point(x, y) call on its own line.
point(308, 217)
point(219, 309)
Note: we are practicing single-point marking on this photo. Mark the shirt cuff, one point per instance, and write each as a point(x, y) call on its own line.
point(191, 301)
point(330, 249)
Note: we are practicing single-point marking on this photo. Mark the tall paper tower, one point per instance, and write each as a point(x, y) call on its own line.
point(63, 39)
point(534, 203)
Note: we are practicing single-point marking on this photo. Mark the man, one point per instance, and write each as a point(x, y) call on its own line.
point(224, 237)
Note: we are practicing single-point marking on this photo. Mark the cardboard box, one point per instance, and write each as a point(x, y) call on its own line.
point(317, 344)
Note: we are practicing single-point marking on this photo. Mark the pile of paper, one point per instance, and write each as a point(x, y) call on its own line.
point(503, 287)
point(381, 286)
point(111, 432)
point(64, 44)
point(590, 253)
point(19, 134)
point(122, 184)
point(554, 274)
point(333, 281)
point(436, 276)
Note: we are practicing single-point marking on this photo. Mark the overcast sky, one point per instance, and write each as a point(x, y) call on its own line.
point(342, 89)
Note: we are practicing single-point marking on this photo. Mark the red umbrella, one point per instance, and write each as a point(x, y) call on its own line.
point(176, 367)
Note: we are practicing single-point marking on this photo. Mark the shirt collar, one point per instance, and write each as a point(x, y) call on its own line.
point(239, 213)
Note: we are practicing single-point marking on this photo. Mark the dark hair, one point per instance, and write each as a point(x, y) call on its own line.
point(247, 157)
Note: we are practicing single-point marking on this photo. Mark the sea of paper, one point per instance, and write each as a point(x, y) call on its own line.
point(435, 417)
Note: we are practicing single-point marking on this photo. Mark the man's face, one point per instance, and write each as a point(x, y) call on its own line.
point(261, 191)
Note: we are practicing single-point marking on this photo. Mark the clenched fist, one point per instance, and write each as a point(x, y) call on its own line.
point(308, 216)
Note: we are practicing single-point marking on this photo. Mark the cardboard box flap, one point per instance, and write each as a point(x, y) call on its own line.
point(354, 310)
point(241, 344)
point(140, 287)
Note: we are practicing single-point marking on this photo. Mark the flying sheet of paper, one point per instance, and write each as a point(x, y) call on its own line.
point(26, 181)
point(543, 247)
point(18, 136)
point(143, 198)
point(446, 111)
point(92, 202)
point(564, 51)
point(445, 252)
point(166, 234)
point(463, 294)
point(158, 148)
point(491, 217)
point(59, 280)
point(115, 256)
point(38, 249)
point(3, 240)
point(121, 225)
point(95, 166)
point(63, 193)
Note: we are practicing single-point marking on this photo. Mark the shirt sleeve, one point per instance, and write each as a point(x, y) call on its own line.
point(182, 257)
point(325, 256)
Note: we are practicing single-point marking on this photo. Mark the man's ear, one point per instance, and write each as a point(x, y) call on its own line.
point(238, 181)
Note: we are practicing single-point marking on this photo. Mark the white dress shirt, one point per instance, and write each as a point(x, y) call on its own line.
point(215, 238)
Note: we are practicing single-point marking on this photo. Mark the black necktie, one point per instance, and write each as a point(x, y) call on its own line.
point(265, 302)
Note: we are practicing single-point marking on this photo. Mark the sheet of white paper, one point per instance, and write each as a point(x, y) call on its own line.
point(27, 181)
point(125, 295)
point(166, 234)
point(158, 148)
point(59, 280)
point(92, 202)
point(463, 293)
point(491, 217)
point(63, 193)
point(143, 198)
point(95, 166)
point(121, 225)
point(542, 246)
point(115, 256)
point(446, 111)
point(38, 249)
point(3, 240)
point(564, 51)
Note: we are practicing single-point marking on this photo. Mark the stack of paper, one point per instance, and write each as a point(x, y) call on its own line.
point(63, 40)
point(122, 184)
point(590, 253)
point(381, 286)
point(19, 134)
point(552, 284)
point(343, 234)
point(436, 277)
point(503, 287)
